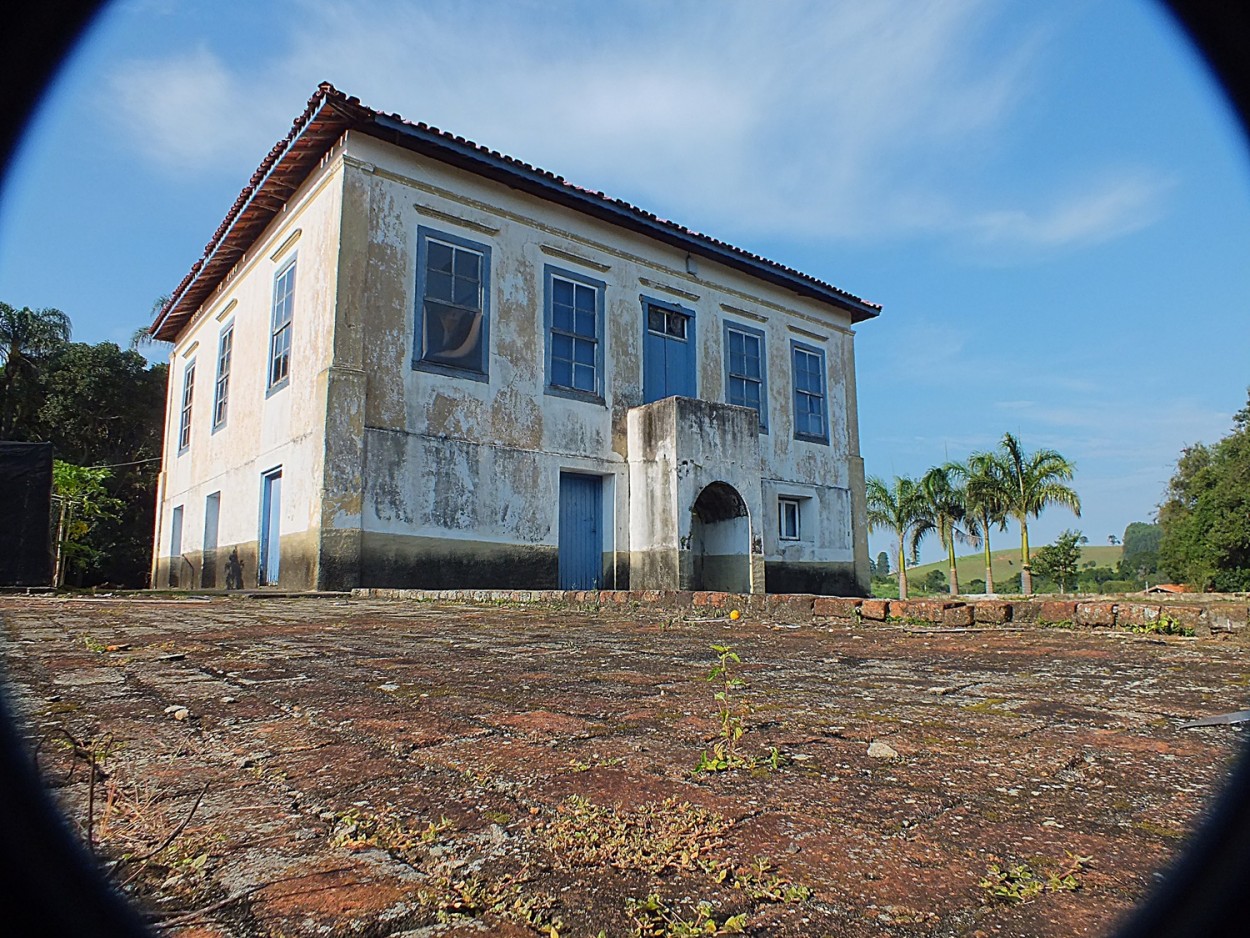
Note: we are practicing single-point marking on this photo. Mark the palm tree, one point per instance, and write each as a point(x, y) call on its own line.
point(900, 509)
point(984, 483)
point(1034, 481)
point(26, 335)
point(946, 502)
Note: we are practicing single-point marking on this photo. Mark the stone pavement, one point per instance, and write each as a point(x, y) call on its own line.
point(365, 767)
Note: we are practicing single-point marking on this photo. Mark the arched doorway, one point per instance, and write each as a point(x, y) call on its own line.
point(720, 540)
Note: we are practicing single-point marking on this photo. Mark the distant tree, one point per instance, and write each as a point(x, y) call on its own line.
point(1112, 540)
point(977, 586)
point(943, 493)
point(934, 582)
point(81, 502)
point(899, 508)
point(27, 338)
point(1034, 481)
point(883, 564)
point(1058, 562)
point(1205, 515)
point(1141, 550)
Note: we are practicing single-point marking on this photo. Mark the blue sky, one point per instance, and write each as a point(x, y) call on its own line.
point(1050, 200)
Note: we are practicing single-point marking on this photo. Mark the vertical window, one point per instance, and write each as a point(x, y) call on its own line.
point(175, 545)
point(810, 421)
point(280, 327)
point(184, 419)
point(453, 290)
point(574, 317)
point(221, 391)
point(788, 526)
point(745, 370)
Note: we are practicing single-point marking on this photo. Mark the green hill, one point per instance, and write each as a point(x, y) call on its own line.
point(1006, 563)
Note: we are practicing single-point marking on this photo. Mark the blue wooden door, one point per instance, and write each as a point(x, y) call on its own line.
point(581, 532)
point(270, 529)
point(668, 353)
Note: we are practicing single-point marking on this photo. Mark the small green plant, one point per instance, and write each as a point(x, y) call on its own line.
point(652, 917)
point(1164, 625)
point(725, 753)
point(1021, 883)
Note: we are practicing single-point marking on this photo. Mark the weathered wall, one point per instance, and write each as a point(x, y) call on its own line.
point(264, 429)
point(679, 447)
point(479, 461)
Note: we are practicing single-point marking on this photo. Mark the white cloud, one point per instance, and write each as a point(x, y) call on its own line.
point(745, 119)
point(1105, 210)
point(191, 112)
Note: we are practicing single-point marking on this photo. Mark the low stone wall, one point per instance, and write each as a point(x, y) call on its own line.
point(1206, 616)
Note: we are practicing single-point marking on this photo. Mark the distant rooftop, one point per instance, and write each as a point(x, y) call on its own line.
point(330, 113)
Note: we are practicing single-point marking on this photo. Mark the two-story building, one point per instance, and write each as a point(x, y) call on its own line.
point(408, 360)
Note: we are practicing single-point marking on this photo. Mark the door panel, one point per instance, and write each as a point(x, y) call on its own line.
point(581, 532)
point(270, 529)
point(668, 353)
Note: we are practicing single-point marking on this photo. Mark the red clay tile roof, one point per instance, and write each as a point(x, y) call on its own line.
point(330, 113)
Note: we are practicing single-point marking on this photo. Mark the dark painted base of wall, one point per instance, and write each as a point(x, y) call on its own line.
point(388, 560)
point(197, 570)
point(820, 579)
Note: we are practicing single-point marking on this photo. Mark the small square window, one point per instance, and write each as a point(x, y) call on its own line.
point(789, 519)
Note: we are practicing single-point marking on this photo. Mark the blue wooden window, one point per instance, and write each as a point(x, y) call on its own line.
point(746, 376)
point(453, 304)
point(184, 417)
point(280, 327)
point(810, 421)
point(574, 318)
point(221, 390)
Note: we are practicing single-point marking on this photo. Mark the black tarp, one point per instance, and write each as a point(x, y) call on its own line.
point(26, 504)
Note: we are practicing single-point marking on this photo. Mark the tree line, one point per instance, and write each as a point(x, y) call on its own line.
point(961, 502)
point(102, 409)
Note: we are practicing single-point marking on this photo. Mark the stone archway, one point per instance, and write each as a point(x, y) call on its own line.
point(720, 542)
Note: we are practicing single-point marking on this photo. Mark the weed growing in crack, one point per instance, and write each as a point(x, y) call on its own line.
point(1164, 625)
point(732, 716)
point(1021, 883)
point(652, 917)
point(653, 837)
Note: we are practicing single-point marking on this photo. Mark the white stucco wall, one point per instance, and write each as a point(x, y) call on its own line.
point(264, 429)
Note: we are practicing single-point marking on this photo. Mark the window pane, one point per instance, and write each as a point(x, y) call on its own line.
point(453, 336)
point(561, 292)
point(583, 377)
point(467, 292)
point(677, 325)
point(468, 264)
point(656, 320)
point(438, 286)
point(585, 299)
point(562, 316)
point(562, 347)
point(584, 352)
point(438, 257)
point(561, 373)
point(585, 323)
